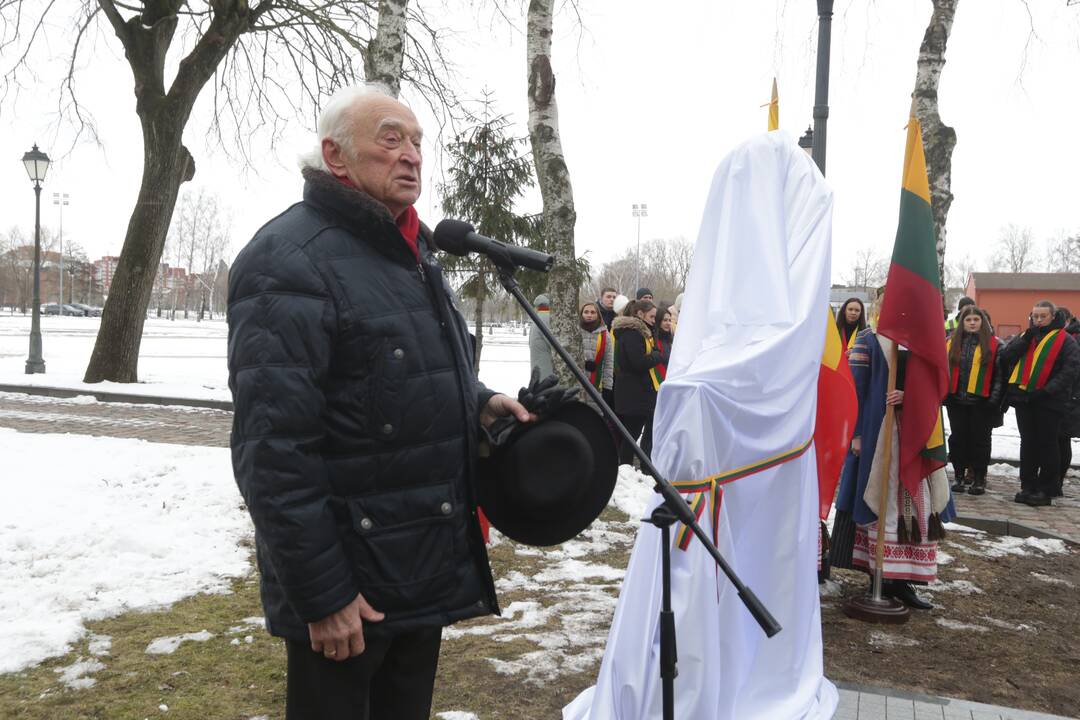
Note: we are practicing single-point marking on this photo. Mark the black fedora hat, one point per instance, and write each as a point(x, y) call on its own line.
point(550, 479)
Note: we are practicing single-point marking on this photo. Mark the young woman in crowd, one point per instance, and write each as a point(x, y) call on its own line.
point(663, 336)
point(599, 350)
point(635, 358)
point(976, 382)
point(850, 321)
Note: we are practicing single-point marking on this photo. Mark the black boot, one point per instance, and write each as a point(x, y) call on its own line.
point(905, 593)
point(959, 478)
point(978, 485)
point(1037, 499)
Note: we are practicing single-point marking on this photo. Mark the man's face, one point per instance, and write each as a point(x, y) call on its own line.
point(608, 299)
point(646, 296)
point(385, 160)
point(1041, 316)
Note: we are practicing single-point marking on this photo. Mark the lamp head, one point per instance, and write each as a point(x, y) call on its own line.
point(36, 164)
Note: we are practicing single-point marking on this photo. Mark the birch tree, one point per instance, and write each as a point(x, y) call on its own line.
point(938, 138)
point(268, 62)
point(553, 178)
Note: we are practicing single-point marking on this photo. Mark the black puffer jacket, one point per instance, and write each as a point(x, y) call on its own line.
point(1057, 393)
point(961, 396)
point(356, 416)
point(634, 391)
point(1070, 426)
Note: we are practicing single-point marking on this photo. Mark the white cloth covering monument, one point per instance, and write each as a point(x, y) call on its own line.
point(733, 431)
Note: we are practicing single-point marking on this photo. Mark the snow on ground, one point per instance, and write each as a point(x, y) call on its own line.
point(1007, 545)
point(962, 626)
point(1051, 579)
point(75, 675)
point(169, 644)
point(92, 527)
point(456, 715)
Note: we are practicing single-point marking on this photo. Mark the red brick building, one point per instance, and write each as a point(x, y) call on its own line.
point(1009, 297)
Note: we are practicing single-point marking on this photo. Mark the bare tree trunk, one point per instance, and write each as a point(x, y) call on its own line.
point(938, 139)
point(386, 51)
point(554, 180)
point(166, 164)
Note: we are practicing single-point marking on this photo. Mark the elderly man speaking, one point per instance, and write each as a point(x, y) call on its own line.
point(356, 422)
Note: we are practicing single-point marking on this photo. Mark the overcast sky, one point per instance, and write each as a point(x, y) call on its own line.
point(650, 100)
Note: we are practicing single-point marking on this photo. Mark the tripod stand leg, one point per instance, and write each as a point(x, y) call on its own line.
point(669, 658)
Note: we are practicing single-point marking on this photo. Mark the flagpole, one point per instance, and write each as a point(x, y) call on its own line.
point(883, 500)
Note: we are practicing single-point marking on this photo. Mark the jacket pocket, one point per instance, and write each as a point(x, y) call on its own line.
point(401, 546)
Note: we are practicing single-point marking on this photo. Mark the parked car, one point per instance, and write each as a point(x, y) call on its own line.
point(88, 310)
point(74, 311)
point(50, 309)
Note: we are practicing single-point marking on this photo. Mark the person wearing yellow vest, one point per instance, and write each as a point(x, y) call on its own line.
point(973, 403)
point(598, 350)
point(635, 356)
point(954, 322)
point(1043, 363)
point(850, 321)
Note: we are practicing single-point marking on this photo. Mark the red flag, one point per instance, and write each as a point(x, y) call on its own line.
point(837, 413)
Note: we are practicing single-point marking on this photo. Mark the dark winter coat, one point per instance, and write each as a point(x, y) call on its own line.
point(635, 394)
point(608, 316)
point(997, 379)
point(356, 419)
point(1070, 425)
point(1056, 395)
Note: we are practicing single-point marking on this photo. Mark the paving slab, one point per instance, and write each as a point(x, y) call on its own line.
point(873, 703)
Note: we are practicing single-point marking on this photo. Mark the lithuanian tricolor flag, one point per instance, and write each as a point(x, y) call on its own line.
point(837, 413)
point(911, 316)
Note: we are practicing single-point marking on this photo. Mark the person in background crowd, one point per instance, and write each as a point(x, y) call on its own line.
point(975, 385)
point(663, 337)
point(635, 357)
point(606, 304)
point(599, 351)
point(850, 321)
point(1070, 424)
point(539, 350)
point(621, 301)
point(644, 294)
point(954, 322)
point(1043, 364)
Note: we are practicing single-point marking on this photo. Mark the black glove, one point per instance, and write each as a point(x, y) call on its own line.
point(590, 365)
point(541, 398)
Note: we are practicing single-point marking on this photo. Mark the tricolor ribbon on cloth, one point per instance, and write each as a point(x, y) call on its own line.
point(710, 490)
point(979, 378)
point(1033, 371)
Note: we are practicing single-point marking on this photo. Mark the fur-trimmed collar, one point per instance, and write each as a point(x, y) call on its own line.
point(342, 195)
point(632, 323)
point(351, 206)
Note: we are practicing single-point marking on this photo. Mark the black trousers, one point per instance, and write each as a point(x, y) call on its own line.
point(636, 425)
point(969, 437)
point(1065, 449)
point(1040, 456)
point(392, 680)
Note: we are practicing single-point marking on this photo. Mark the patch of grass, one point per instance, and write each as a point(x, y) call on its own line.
point(201, 680)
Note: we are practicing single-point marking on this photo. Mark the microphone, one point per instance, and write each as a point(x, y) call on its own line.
point(460, 238)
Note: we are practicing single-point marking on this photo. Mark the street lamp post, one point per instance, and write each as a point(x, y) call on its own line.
point(806, 142)
point(61, 201)
point(640, 211)
point(821, 92)
point(36, 164)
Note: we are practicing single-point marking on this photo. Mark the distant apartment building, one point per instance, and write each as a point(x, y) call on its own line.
point(104, 269)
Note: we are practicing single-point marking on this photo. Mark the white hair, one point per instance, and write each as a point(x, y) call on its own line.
point(336, 122)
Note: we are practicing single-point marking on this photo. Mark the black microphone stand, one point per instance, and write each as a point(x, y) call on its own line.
point(673, 509)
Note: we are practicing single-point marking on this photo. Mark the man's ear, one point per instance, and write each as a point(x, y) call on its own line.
point(333, 156)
